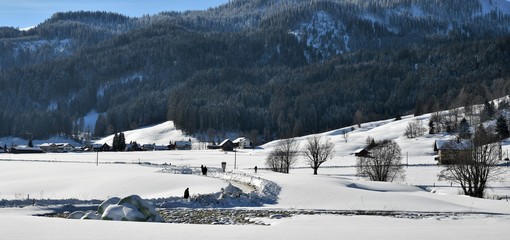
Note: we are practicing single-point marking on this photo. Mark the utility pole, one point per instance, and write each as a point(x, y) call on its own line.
point(235, 158)
point(507, 159)
point(407, 159)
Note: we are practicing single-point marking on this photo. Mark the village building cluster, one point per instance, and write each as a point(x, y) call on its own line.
point(226, 145)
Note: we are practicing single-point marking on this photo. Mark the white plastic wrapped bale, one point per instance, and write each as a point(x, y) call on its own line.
point(106, 203)
point(76, 215)
point(132, 208)
point(91, 216)
point(126, 212)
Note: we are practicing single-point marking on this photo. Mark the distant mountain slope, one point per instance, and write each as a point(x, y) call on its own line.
point(61, 35)
point(264, 67)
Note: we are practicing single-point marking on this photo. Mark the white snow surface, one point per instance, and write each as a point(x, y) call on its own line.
point(160, 134)
point(165, 175)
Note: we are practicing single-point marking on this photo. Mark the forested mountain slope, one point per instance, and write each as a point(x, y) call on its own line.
point(272, 68)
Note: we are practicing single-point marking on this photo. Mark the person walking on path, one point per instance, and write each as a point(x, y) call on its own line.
point(186, 193)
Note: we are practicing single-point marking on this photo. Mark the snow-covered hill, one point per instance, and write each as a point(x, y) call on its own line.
point(160, 134)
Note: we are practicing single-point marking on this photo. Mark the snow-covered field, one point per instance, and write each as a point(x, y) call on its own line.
point(419, 207)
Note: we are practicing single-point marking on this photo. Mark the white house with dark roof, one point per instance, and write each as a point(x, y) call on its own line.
point(57, 147)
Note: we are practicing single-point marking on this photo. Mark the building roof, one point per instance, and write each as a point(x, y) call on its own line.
point(359, 150)
point(55, 144)
point(182, 143)
point(452, 144)
point(224, 142)
point(241, 139)
point(25, 148)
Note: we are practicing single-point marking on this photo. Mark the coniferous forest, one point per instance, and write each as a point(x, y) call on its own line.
point(267, 68)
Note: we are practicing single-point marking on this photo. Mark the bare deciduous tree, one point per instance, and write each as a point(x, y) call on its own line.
point(358, 118)
point(345, 134)
point(283, 156)
point(474, 165)
point(317, 151)
point(383, 163)
point(414, 129)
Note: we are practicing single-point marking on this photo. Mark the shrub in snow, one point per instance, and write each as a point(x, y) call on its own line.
point(178, 170)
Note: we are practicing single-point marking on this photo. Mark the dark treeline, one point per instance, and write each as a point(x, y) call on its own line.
point(318, 97)
point(268, 68)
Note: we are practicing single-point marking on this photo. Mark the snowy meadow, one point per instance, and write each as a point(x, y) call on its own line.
point(335, 204)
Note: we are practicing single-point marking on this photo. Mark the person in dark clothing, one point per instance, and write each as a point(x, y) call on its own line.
point(255, 169)
point(205, 170)
point(186, 193)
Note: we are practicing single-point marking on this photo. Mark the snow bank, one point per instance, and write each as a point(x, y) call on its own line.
point(267, 191)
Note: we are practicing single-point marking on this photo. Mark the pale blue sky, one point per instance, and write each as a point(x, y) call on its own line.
point(26, 13)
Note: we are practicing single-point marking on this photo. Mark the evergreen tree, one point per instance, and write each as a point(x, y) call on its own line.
point(503, 105)
point(134, 146)
point(489, 111)
point(121, 142)
point(100, 127)
point(432, 127)
point(502, 128)
point(115, 143)
point(464, 129)
point(449, 129)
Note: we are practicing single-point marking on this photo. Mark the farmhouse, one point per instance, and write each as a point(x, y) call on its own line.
point(154, 147)
point(148, 147)
point(448, 149)
point(132, 147)
point(227, 145)
point(97, 147)
point(362, 152)
point(57, 147)
point(183, 145)
point(19, 150)
point(212, 146)
point(161, 148)
point(243, 143)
